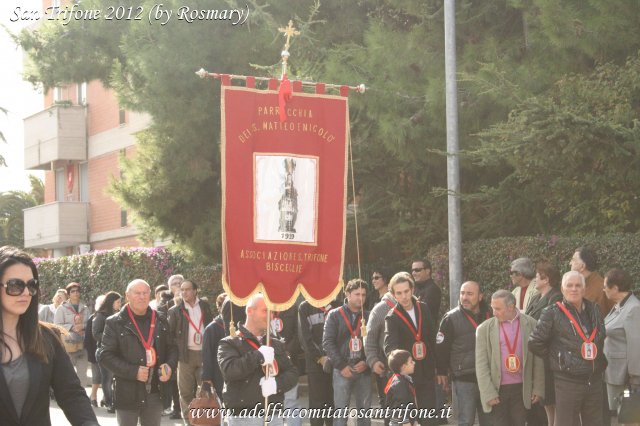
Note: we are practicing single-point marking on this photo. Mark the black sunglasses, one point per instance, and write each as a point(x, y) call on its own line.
point(376, 277)
point(418, 269)
point(16, 286)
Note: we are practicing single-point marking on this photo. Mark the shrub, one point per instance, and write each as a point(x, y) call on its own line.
point(488, 261)
point(105, 270)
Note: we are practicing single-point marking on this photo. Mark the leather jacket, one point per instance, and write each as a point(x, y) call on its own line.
point(179, 325)
point(122, 353)
point(556, 339)
point(241, 366)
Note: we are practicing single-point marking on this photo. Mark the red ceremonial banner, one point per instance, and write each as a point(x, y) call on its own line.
point(283, 195)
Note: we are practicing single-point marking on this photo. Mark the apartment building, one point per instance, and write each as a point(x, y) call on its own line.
point(79, 138)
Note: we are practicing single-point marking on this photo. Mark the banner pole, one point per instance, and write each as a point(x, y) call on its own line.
point(202, 73)
point(267, 372)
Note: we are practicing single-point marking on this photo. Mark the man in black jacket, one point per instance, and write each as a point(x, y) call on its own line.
point(138, 350)
point(426, 290)
point(571, 335)
point(455, 352)
point(342, 341)
point(187, 320)
point(409, 326)
point(242, 358)
point(213, 333)
point(310, 330)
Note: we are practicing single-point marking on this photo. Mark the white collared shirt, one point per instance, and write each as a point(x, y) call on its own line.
point(195, 313)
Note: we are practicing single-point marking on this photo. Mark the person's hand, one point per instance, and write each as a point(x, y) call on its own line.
point(77, 328)
point(267, 353)
point(360, 367)
point(494, 401)
point(444, 382)
point(164, 372)
point(269, 386)
point(322, 360)
point(143, 374)
point(378, 368)
point(346, 372)
point(534, 399)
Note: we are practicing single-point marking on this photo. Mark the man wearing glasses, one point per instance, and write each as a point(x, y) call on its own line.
point(426, 290)
point(72, 315)
point(522, 273)
point(187, 321)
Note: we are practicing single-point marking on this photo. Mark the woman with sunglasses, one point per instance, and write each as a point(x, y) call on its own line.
point(32, 356)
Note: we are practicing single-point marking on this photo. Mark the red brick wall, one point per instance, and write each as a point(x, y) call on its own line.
point(119, 242)
point(104, 212)
point(103, 108)
point(49, 187)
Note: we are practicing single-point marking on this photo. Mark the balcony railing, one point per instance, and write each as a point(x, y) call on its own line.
point(56, 225)
point(57, 133)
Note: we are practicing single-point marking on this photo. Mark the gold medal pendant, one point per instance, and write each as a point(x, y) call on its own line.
point(589, 351)
point(419, 351)
point(151, 357)
point(512, 363)
point(355, 344)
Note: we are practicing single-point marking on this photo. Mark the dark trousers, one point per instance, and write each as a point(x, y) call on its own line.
point(426, 398)
point(170, 393)
point(578, 399)
point(320, 394)
point(149, 413)
point(510, 411)
point(381, 383)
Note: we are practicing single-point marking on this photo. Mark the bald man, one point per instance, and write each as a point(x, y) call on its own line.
point(455, 349)
point(137, 349)
point(244, 359)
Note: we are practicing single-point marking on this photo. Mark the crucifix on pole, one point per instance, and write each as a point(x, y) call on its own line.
point(288, 31)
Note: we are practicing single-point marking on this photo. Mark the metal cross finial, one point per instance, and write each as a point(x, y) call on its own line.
point(289, 32)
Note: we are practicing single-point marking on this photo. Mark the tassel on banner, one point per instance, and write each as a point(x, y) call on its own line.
point(284, 96)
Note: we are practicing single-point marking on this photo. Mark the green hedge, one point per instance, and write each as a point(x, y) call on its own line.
point(102, 271)
point(488, 261)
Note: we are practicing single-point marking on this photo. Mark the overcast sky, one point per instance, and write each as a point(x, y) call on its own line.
point(16, 96)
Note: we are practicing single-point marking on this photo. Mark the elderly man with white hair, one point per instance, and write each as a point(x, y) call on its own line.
point(138, 350)
point(570, 334)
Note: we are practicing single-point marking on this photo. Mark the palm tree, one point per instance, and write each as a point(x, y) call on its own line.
point(12, 203)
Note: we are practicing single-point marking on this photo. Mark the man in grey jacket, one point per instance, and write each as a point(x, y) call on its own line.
point(342, 342)
point(374, 344)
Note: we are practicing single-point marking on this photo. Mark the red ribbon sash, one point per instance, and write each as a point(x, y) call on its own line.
point(511, 349)
point(186, 315)
point(146, 343)
point(576, 325)
point(411, 387)
point(346, 320)
point(253, 344)
point(416, 333)
point(471, 320)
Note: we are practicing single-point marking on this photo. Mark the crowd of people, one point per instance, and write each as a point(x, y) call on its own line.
point(556, 350)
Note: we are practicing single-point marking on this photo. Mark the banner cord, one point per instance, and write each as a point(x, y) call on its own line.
point(355, 204)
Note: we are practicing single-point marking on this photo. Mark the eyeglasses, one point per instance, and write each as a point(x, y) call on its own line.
point(74, 290)
point(513, 272)
point(418, 269)
point(16, 286)
point(376, 277)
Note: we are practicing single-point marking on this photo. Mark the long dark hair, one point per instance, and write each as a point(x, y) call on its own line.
point(29, 332)
point(107, 304)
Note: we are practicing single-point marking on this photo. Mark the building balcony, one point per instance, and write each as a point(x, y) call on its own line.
point(56, 225)
point(57, 133)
